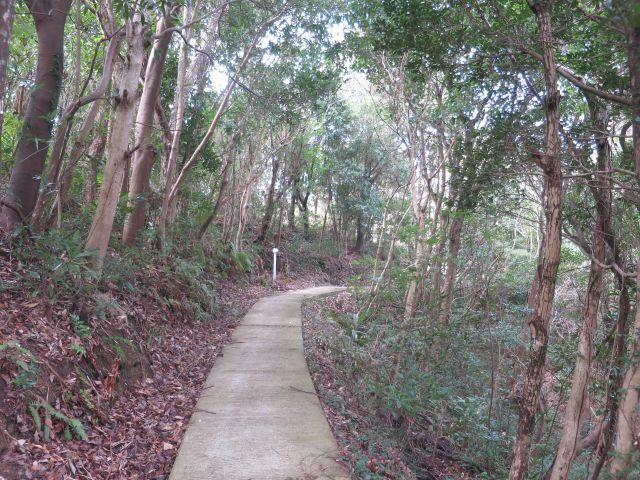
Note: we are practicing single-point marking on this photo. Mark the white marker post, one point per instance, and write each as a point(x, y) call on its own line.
point(275, 259)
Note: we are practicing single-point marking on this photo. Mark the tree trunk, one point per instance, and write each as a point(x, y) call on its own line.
point(303, 206)
point(118, 152)
point(358, 247)
point(626, 447)
point(270, 204)
point(49, 17)
point(64, 128)
point(410, 298)
point(142, 162)
point(455, 231)
point(601, 187)
point(7, 11)
point(436, 289)
point(177, 121)
point(547, 269)
point(224, 101)
point(224, 183)
point(96, 150)
point(291, 212)
point(626, 450)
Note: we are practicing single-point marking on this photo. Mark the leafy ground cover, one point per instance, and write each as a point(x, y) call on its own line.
point(100, 382)
point(369, 436)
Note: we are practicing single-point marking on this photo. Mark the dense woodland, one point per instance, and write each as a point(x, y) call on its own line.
point(471, 167)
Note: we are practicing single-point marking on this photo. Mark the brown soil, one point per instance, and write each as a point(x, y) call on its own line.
point(132, 382)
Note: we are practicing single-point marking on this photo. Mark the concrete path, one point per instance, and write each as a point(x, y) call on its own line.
point(258, 417)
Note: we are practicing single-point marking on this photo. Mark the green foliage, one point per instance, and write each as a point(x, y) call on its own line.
point(21, 362)
point(56, 263)
point(242, 260)
point(75, 426)
point(80, 327)
point(78, 349)
point(117, 343)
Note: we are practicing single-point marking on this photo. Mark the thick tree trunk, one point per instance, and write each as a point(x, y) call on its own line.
point(49, 17)
point(7, 11)
point(144, 156)
point(118, 149)
point(455, 231)
point(601, 186)
point(358, 246)
point(547, 269)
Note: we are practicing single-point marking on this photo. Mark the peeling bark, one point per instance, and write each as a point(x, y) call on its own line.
point(118, 150)
point(547, 269)
point(142, 162)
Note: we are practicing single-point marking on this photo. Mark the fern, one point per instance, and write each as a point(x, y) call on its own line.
point(73, 424)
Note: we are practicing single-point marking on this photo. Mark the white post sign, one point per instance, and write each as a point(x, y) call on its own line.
point(275, 259)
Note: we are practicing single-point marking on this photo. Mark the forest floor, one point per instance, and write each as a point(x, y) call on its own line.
point(123, 384)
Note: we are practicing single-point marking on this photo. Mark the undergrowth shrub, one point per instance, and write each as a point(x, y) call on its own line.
point(55, 264)
point(432, 383)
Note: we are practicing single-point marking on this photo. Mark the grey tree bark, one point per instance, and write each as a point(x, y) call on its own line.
point(118, 149)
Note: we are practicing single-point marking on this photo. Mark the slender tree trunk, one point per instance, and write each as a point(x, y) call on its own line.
point(118, 151)
point(358, 247)
point(601, 186)
point(437, 266)
point(64, 129)
point(410, 298)
point(7, 11)
point(381, 234)
point(450, 273)
point(77, 151)
point(633, 56)
point(278, 240)
point(270, 204)
point(49, 17)
point(96, 150)
point(615, 378)
point(224, 101)
point(547, 269)
point(303, 206)
point(222, 191)
point(142, 162)
point(626, 447)
point(177, 121)
point(291, 212)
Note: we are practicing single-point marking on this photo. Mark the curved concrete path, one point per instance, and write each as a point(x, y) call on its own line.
point(258, 417)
